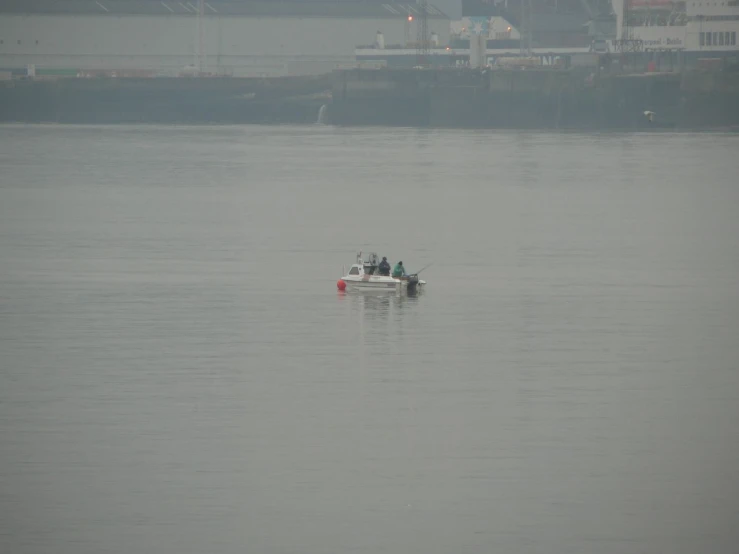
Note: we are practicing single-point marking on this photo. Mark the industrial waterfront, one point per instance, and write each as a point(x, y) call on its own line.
point(635, 65)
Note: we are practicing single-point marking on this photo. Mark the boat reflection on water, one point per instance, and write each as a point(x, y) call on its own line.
point(379, 306)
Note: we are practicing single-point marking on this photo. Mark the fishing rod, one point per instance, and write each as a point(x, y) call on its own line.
point(424, 267)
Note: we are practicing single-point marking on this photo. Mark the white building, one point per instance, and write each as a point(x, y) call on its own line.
point(238, 37)
point(695, 26)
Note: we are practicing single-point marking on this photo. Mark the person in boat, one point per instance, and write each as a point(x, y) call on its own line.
point(399, 270)
point(384, 267)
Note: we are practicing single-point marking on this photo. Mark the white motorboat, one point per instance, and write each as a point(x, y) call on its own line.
point(364, 276)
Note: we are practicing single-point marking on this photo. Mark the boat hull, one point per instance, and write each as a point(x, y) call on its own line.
point(395, 285)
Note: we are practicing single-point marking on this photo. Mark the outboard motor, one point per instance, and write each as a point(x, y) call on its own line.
point(412, 283)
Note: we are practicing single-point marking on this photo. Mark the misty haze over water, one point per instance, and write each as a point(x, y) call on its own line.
point(180, 375)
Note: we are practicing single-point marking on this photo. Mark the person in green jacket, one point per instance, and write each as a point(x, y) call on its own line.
point(399, 270)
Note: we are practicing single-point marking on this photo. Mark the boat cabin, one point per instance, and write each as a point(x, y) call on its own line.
point(365, 267)
point(371, 264)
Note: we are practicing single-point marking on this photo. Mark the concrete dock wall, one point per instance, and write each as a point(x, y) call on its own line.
point(535, 98)
point(165, 100)
point(463, 98)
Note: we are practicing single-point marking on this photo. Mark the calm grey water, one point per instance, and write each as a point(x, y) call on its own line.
point(179, 374)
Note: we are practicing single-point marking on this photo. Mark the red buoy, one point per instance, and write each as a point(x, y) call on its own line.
point(341, 284)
